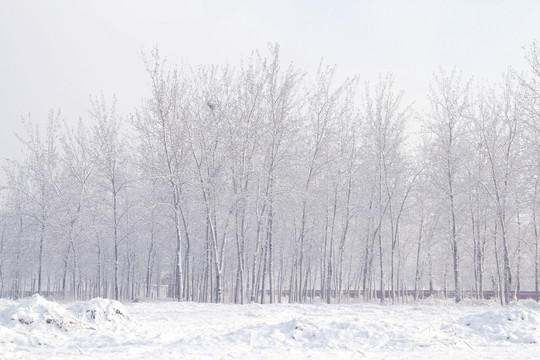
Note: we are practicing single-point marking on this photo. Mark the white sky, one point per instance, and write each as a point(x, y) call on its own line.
point(56, 53)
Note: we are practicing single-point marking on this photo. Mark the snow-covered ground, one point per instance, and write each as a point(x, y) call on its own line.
point(35, 328)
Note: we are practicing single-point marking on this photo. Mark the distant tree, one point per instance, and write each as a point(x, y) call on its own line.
point(450, 105)
point(73, 189)
point(40, 169)
point(530, 107)
point(112, 166)
point(385, 120)
point(162, 125)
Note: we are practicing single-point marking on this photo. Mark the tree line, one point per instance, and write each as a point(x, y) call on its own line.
point(268, 183)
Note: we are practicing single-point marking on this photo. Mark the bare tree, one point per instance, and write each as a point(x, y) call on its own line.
point(162, 124)
point(450, 109)
point(41, 169)
point(111, 161)
point(499, 126)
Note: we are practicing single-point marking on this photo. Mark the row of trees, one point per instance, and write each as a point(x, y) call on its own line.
point(263, 183)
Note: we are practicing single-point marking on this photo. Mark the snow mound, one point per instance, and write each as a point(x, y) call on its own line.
point(35, 321)
point(10, 336)
point(520, 325)
point(301, 333)
point(100, 311)
point(37, 313)
point(298, 330)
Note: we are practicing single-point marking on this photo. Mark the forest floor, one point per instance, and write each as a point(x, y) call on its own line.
point(35, 328)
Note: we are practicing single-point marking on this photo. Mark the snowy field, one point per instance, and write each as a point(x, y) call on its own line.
point(35, 328)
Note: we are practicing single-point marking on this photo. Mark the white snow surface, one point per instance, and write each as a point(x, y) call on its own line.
point(35, 328)
point(102, 312)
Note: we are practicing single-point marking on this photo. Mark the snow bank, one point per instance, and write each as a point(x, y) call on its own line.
point(517, 325)
point(36, 313)
point(36, 321)
point(101, 312)
point(10, 336)
point(99, 328)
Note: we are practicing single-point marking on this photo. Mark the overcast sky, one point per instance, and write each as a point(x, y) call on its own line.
point(55, 54)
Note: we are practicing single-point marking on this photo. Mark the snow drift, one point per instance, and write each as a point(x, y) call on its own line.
point(518, 325)
point(99, 328)
point(36, 313)
point(35, 321)
point(101, 312)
